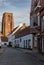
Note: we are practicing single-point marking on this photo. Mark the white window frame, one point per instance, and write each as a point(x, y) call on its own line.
point(38, 20)
point(31, 23)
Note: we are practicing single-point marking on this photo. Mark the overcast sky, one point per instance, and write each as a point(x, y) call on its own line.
point(19, 8)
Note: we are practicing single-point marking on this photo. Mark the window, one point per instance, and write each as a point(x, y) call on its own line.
point(29, 42)
point(38, 2)
point(34, 20)
point(42, 23)
point(20, 39)
point(38, 20)
point(31, 19)
point(24, 43)
point(32, 5)
point(15, 41)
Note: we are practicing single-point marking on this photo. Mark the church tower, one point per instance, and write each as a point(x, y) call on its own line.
point(7, 23)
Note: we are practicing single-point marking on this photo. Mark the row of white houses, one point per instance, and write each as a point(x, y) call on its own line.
point(25, 40)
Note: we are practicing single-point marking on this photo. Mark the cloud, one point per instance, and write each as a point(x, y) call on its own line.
point(4, 3)
point(21, 14)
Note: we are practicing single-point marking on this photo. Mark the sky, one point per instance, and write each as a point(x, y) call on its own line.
point(19, 8)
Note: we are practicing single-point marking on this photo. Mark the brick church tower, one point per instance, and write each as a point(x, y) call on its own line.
point(7, 23)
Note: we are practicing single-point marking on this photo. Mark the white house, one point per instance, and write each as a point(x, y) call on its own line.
point(25, 41)
point(11, 37)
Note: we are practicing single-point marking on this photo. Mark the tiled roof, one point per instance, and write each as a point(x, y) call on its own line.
point(26, 31)
point(4, 39)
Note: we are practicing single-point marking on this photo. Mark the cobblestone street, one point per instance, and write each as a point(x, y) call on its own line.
point(12, 56)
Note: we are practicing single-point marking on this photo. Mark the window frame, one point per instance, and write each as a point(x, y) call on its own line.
point(42, 23)
point(39, 20)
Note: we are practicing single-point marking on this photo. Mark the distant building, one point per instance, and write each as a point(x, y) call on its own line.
point(7, 23)
point(7, 26)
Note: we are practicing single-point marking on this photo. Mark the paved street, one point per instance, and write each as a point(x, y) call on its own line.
point(12, 56)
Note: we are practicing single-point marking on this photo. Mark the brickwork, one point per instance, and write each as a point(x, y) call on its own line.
point(7, 23)
point(37, 8)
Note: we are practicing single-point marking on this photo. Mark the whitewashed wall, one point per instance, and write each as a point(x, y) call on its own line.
point(4, 43)
point(11, 39)
point(27, 37)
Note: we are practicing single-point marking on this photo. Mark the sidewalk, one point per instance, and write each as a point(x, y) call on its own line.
point(34, 54)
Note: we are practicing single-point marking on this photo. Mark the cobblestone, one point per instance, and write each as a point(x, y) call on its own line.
point(13, 56)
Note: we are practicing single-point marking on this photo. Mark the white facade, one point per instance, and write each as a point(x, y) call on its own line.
point(11, 37)
point(25, 41)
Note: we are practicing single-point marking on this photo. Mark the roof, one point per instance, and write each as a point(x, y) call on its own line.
point(13, 30)
point(18, 28)
point(4, 39)
point(25, 31)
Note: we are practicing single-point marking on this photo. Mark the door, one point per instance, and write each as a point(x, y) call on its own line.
point(35, 42)
point(39, 44)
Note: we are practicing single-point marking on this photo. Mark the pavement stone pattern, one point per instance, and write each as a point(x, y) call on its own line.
point(34, 54)
point(15, 56)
